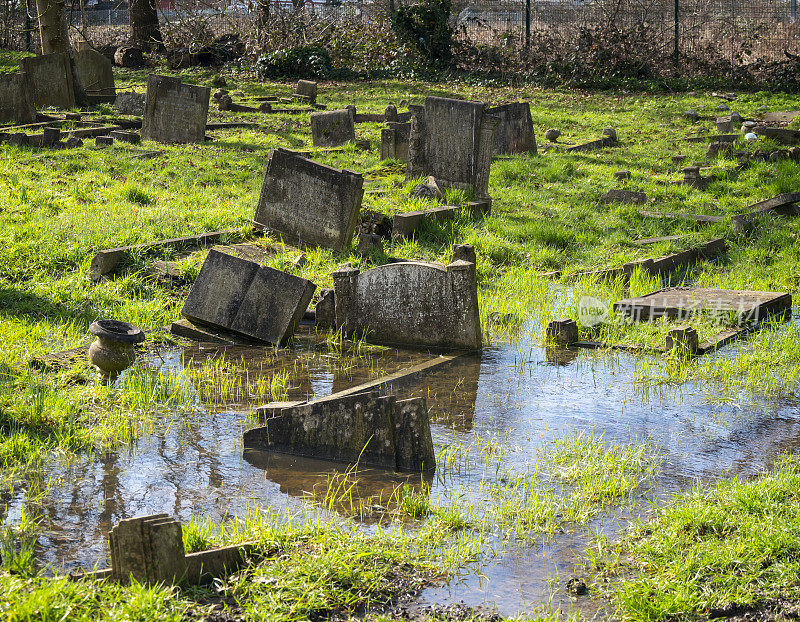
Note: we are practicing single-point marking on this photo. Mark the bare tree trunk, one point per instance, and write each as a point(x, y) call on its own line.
point(53, 26)
point(263, 17)
point(145, 31)
point(84, 23)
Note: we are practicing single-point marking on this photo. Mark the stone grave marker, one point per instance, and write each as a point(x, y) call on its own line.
point(332, 128)
point(309, 203)
point(624, 196)
point(50, 80)
point(16, 105)
point(410, 303)
point(514, 133)
point(95, 74)
point(307, 90)
point(394, 141)
point(175, 112)
point(148, 549)
point(452, 140)
point(247, 298)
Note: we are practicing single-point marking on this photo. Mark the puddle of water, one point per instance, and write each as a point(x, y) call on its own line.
point(511, 400)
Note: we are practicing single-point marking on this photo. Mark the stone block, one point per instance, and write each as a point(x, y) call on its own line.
point(414, 304)
point(51, 136)
point(148, 549)
point(130, 103)
point(563, 331)
point(325, 311)
point(309, 203)
point(332, 128)
point(452, 140)
point(683, 339)
point(369, 241)
point(514, 133)
point(780, 135)
point(175, 112)
point(16, 105)
point(248, 299)
point(95, 76)
point(307, 88)
point(49, 79)
point(413, 443)
point(394, 141)
point(464, 252)
point(127, 137)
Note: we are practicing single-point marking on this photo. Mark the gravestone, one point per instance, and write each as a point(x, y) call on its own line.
point(563, 332)
point(147, 549)
point(332, 128)
point(130, 102)
point(247, 298)
point(415, 304)
point(175, 112)
point(95, 76)
point(452, 140)
point(514, 133)
point(394, 141)
point(307, 90)
point(624, 196)
point(50, 81)
point(15, 101)
point(364, 428)
point(309, 203)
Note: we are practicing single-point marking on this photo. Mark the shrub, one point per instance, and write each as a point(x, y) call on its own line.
point(426, 27)
point(297, 62)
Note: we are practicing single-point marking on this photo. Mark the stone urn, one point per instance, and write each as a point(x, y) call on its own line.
point(113, 351)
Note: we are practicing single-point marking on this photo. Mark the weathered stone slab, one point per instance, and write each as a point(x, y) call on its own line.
point(624, 196)
point(248, 299)
point(332, 128)
point(648, 241)
point(780, 135)
point(307, 90)
point(782, 204)
point(720, 138)
point(175, 112)
point(684, 302)
point(415, 304)
point(49, 79)
point(16, 105)
point(593, 145)
point(309, 203)
point(514, 133)
point(697, 218)
point(95, 74)
point(406, 224)
point(784, 116)
point(452, 140)
point(363, 428)
point(394, 141)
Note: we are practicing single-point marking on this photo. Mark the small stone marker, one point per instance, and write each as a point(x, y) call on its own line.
point(724, 124)
point(307, 89)
point(332, 128)
point(95, 74)
point(364, 428)
point(692, 116)
point(368, 242)
point(16, 105)
point(309, 203)
point(684, 339)
point(622, 175)
point(127, 137)
point(104, 141)
point(563, 332)
point(51, 136)
point(49, 79)
point(552, 134)
point(679, 159)
point(246, 298)
point(175, 112)
point(394, 141)
point(464, 252)
point(624, 196)
point(325, 311)
point(514, 133)
point(452, 140)
point(692, 177)
point(415, 304)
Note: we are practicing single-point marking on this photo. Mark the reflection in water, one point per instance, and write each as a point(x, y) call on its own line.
point(196, 467)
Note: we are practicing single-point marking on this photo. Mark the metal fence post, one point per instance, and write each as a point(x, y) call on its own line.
point(528, 24)
point(676, 51)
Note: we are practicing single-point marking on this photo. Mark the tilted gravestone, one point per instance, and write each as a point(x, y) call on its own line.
point(452, 140)
point(514, 133)
point(394, 141)
point(414, 304)
point(95, 74)
point(309, 203)
point(307, 90)
point(365, 428)
point(15, 101)
point(50, 80)
point(332, 128)
point(247, 298)
point(175, 112)
point(148, 549)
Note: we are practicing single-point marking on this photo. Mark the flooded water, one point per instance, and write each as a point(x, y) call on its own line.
point(513, 397)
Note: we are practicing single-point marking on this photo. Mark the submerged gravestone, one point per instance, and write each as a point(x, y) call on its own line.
point(175, 112)
point(394, 141)
point(366, 428)
point(415, 304)
point(50, 80)
point(247, 298)
point(95, 74)
point(309, 203)
point(452, 140)
point(15, 101)
point(514, 133)
point(332, 128)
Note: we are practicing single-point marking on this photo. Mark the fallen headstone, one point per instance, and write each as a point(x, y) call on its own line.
point(175, 112)
point(782, 117)
point(127, 137)
point(95, 75)
point(16, 105)
point(246, 298)
point(332, 128)
point(514, 133)
point(405, 224)
point(624, 196)
point(49, 79)
point(784, 205)
point(780, 135)
point(608, 140)
point(309, 203)
point(394, 141)
point(414, 304)
point(452, 140)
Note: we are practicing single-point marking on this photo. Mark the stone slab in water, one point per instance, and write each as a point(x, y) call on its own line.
point(248, 299)
point(50, 80)
point(175, 112)
point(308, 203)
point(332, 128)
point(514, 133)
point(16, 105)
